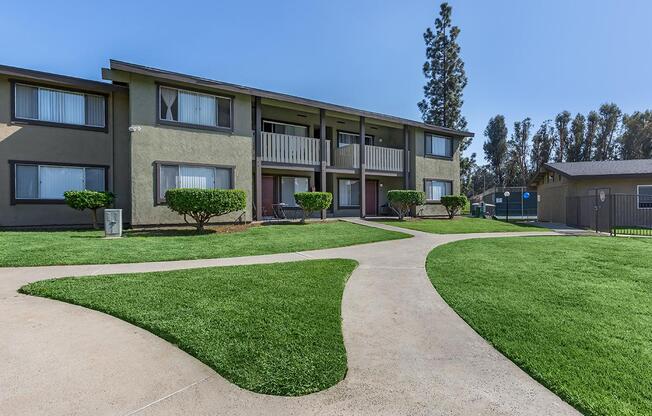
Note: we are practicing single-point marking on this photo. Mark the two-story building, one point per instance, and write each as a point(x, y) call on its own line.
point(146, 130)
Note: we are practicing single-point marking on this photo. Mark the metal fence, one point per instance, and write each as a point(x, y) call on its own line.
point(615, 214)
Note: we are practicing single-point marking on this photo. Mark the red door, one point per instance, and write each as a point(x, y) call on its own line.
point(371, 197)
point(268, 196)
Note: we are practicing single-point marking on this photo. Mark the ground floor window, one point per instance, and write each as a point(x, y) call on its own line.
point(349, 193)
point(291, 185)
point(644, 196)
point(33, 181)
point(435, 189)
point(173, 176)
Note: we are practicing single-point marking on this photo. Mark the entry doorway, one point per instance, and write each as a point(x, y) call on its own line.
point(371, 197)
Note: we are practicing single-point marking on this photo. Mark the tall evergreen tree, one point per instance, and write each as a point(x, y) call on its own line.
point(589, 137)
point(636, 140)
point(605, 143)
point(561, 125)
point(576, 140)
point(467, 166)
point(543, 142)
point(495, 147)
point(519, 149)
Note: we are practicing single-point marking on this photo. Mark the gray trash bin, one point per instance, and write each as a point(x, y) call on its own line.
point(113, 223)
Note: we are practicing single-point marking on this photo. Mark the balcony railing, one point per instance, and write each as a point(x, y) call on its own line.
point(377, 158)
point(294, 150)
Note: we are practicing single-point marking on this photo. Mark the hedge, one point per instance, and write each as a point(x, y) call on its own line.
point(203, 204)
point(453, 204)
point(93, 200)
point(402, 201)
point(313, 201)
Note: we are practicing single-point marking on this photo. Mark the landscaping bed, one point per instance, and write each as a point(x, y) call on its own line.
point(573, 312)
point(39, 248)
point(271, 328)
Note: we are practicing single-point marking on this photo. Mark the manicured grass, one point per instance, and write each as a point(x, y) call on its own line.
point(272, 328)
point(24, 248)
point(574, 312)
point(462, 225)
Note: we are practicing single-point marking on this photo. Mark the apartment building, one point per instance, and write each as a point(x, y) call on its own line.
point(145, 130)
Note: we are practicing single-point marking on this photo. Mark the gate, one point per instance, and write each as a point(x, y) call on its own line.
point(615, 214)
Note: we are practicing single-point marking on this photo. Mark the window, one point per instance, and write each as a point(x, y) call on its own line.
point(345, 139)
point(349, 193)
point(436, 189)
point(60, 107)
point(173, 176)
point(438, 146)
point(49, 182)
point(290, 186)
point(187, 107)
point(285, 128)
point(644, 196)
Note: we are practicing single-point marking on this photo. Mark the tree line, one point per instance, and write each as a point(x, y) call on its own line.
point(605, 134)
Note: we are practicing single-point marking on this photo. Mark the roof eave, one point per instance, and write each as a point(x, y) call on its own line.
point(56, 79)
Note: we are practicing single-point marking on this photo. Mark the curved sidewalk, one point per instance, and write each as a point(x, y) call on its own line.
point(408, 352)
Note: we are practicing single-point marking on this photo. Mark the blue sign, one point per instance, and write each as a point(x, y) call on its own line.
point(526, 195)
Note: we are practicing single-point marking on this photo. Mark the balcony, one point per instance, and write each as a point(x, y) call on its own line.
point(382, 159)
point(292, 150)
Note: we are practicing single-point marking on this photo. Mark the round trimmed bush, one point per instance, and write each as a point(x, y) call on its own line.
point(453, 204)
point(402, 201)
point(313, 201)
point(203, 204)
point(93, 200)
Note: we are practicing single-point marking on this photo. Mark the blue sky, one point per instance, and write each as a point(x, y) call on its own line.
point(523, 58)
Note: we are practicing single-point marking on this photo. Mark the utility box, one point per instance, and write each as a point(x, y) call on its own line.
point(113, 223)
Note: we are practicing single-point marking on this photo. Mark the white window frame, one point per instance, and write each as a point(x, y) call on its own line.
point(38, 179)
point(200, 126)
point(638, 197)
point(160, 200)
point(40, 120)
point(428, 145)
point(427, 188)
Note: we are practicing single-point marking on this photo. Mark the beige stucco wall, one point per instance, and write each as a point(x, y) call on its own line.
point(155, 142)
point(21, 141)
point(433, 168)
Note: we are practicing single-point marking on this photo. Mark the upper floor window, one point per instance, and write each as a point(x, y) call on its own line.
point(34, 181)
point(59, 106)
point(345, 138)
point(285, 128)
point(436, 189)
point(188, 107)
point(439, 146)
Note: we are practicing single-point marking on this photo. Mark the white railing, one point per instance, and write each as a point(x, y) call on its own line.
point(295, 150)
point(377, 158)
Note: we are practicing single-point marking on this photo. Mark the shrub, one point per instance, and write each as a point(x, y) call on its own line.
point(92, 200)
point(453, 204)
point(402, 201)
point(203, 204)
point(312, 201)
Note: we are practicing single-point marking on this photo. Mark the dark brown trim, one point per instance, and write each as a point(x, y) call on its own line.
point(432, 201)
point(157, 175)
point(161, 122)
point(376, 181)
point(337, 138)
point(59, 80)
point(433, 156)
point(18, 120)
point(20, 201)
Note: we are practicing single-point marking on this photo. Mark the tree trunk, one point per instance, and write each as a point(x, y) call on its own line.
point(94, 214)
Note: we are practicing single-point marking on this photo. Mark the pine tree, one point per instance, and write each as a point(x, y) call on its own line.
point(589, 137)
point(495, 147)
point(561, 124)
point(576, 140)
point(608, 120)
point(543, 142)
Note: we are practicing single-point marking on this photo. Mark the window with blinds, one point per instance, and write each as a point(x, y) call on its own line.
point(436, 189)
point(438, 146)
point(348, 192)
point(290, 185)
point(194, 108)
point(192, 176)
point(59, 106)
point(49, 182)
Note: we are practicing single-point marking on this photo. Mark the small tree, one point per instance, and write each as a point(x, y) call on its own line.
point(453, 204)
point(402, 201)
point(81, 200)
point(312, 201)
point(203, 204)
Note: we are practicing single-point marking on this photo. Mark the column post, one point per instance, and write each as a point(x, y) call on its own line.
point(363, 167)
point(258, 143)
point(322, 154)
point(406, 157)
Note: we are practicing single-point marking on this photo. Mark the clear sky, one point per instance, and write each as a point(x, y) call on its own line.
point(523, 58)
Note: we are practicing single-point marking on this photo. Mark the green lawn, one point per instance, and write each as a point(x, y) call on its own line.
point(574, 312)
point(38, 248)
point(272, 328)
point(462, 225)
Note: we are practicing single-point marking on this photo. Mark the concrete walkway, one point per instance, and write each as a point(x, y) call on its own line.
point(408, 352)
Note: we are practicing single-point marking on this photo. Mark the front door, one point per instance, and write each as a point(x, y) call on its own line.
point(268, 196)
point(371, 197)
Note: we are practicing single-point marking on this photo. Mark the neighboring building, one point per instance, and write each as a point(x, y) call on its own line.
point(561, 184)
point(151, 130)
point(521, 204)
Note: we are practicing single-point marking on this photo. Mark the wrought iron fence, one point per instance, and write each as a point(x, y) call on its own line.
point(616, 214)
